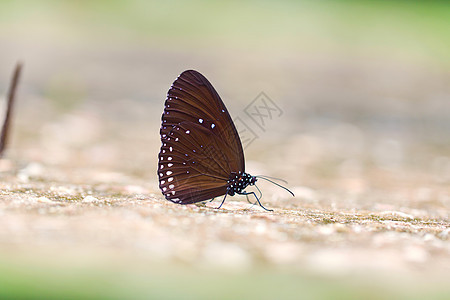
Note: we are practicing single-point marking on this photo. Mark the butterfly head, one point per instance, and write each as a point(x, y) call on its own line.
point(253, 179)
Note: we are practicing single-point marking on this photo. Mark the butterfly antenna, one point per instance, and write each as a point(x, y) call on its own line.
point(9, 108)
point(274, 178)
point(277, 185)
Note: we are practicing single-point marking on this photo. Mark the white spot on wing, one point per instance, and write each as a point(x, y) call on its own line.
point(213, 125)
point(200, 120)
point(170, 179)
point(171, 186)
point(170, 149)
point(169, 172)
point(169, 158)
point(188, 131)
point(163, 181)
point(170, 164)
point(173, 192)
point(164, 189)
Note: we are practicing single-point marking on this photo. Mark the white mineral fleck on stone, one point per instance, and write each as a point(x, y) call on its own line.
point(44, 200)
point(90, 199)
point(398, 214)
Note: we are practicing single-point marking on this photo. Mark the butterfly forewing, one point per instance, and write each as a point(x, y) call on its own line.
point(200, 144)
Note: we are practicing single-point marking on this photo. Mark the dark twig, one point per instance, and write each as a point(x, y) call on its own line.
point(9, 108)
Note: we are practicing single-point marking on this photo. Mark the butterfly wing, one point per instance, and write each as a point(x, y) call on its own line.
point(200, 144)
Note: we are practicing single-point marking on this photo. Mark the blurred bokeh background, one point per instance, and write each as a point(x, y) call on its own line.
point(361, 83)
point(363, 86)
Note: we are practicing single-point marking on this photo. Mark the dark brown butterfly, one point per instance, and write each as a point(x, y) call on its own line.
point(201, 155)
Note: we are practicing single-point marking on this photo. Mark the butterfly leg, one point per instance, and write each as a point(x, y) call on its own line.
point(248, 200)
point(225, 197)
point(257, 199)
point(212, 200)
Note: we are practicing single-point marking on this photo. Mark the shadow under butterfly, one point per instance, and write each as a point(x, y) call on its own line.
point(201, 155)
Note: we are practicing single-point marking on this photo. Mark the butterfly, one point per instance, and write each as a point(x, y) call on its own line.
point(9, 108)
point(201, 155)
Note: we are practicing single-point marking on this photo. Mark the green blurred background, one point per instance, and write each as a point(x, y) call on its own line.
point(378, 70)
point(364, 87)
